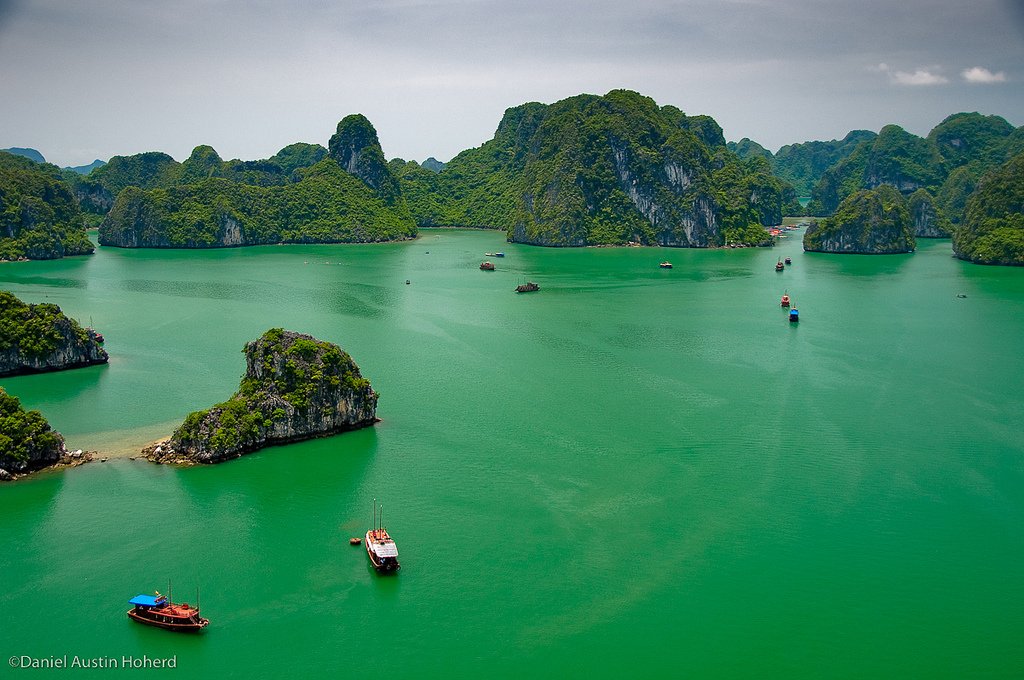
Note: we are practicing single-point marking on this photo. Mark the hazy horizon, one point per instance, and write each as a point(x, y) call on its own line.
point(435, 76)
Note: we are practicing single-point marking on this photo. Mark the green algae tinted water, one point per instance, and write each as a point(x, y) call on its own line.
point(633, 471)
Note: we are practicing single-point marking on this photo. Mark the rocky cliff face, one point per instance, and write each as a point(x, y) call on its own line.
point(295, 387)
point(870, 222)
point(26, 441)
point(928, 220)
point(37, 338)
point(357, 150)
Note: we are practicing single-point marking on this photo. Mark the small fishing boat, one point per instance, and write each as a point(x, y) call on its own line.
point(355, 540)
point(794, 315)
point(779, 266)
point(158, 610)
point(487, 266)
point(527, 287)
point(499, 254)
point(666, 265)
point(490, 255)
point(789, 260)
point(380, 547)
point(785, 301)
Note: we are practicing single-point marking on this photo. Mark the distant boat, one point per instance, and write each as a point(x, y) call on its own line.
point(355, 540)
point(794, 315)
point(785, 301)
point(666, 265)
point(499, 254)
point(527, 287)
point(380, 547)
point(487, 266)
point(779, 266)
point(789, 260)
point(490, 254)
point(157, 610)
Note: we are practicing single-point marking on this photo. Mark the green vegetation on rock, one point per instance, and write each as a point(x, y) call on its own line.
point(26, 440)
point(39, 215)
point(206, 202)
point(871, 221)
point(993, 229)
point(947, 163)
point(295, 387)
point(610, 169)
point(42, 338)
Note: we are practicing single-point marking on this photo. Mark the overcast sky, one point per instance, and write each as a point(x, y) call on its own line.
point(85, 79)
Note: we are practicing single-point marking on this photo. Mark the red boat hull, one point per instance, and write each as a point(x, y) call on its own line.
point(171, 619)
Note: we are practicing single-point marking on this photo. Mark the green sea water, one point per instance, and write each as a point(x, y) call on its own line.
point(633, 472)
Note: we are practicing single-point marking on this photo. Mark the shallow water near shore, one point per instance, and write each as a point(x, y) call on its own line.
point(632, 471)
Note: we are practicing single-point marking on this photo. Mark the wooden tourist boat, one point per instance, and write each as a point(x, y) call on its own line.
point(487, 266)
point(794, 315)
point(789, 260)
point(527, 287)
point(380, 547)
point(785, 301)
point(157, 610)
point(779, 266)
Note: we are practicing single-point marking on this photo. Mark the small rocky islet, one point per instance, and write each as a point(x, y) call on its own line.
point(295, 387)
point(28, 444)
point(36, 338)
point(871, 221)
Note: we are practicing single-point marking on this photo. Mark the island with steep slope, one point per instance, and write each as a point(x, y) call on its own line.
point(348, 196)
point(295, 387)
point(603, 170)
point(870, 222)
point(40, 338)
point(28, 444)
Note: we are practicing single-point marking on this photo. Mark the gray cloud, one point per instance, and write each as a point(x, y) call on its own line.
point(120, 76)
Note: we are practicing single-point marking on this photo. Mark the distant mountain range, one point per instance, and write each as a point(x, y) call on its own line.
point(586, 170)
point(34, 155)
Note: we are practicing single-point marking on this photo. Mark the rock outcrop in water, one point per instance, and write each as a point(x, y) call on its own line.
point(870, 222)
point(349, 197)
point(295, 387)
point(603, 170)
point(27, 443)
point(38, 338)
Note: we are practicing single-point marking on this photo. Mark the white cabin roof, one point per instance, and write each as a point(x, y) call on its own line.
point(384, 549)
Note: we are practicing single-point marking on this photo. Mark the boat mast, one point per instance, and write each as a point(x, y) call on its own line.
point(375, 514)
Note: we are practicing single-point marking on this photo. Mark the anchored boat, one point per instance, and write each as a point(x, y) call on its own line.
point(527, 287)
point(157, 610)
point(380, 547)
point(487, 266)
point(666, 265)
point(785, 301)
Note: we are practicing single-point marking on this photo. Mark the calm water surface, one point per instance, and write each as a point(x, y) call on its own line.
point(634, 471)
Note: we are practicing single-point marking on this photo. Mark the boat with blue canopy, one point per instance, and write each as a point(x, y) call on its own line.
point(158, 610)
